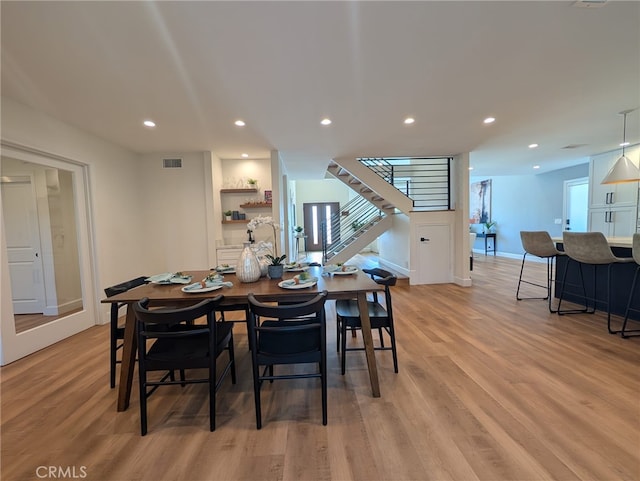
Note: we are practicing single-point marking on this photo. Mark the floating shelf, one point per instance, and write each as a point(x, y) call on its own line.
point(238, 191)
point(241, 221)
point(256, 205)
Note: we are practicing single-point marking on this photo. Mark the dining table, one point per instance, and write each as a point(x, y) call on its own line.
point(339, 285)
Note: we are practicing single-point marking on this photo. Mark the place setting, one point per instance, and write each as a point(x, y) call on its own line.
point(210, 283)
point(168, 278)
point(339, 269)
point(299, 281)
point(225, 269)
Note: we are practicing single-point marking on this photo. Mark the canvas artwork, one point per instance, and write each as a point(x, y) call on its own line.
point(480, 202)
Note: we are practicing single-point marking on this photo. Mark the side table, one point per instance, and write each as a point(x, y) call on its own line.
point(489, 246)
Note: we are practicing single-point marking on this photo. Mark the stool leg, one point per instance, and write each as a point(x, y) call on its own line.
point(584, 292)
point(623, 331)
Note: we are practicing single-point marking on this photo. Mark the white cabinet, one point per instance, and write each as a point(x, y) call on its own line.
point(613, 222)
point(610, 195)
point(228, 255)
point(613, 208)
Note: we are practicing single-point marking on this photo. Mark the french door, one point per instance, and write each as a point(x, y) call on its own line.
point(315, 214)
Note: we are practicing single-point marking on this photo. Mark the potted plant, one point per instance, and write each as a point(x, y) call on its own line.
point(276, 267)
point(488, 226)
point(298, 231)
point(227, 215)
point(253, 183)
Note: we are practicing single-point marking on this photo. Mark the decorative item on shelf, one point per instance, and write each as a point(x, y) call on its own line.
point(489, 227)
point(235, 215)
point(242, 216)
point(248, 266)
point(227, 215)
point(276, 268)
point(251, 239)
point(268, 196)
point(253, 183)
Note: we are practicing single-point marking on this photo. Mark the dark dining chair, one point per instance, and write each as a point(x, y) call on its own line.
point(538, 244)
point(116, 331)
point(284, 335)
point(170, 340)
point(348, 318)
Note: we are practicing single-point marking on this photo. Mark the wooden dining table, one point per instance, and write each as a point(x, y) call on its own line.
point(352, 286)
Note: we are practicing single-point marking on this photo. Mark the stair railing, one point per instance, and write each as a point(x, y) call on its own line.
point(424, 180)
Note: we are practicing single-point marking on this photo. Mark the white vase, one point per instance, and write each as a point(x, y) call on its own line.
point(248, 267)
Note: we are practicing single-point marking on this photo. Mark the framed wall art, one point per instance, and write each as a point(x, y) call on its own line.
point(480, 202)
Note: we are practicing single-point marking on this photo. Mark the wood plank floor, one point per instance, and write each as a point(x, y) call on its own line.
point(489, 388)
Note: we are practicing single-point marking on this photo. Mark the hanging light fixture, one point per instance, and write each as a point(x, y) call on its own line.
point(624, 170)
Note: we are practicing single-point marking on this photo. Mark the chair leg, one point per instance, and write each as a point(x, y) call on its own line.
point(394, 352)
point(232, 359)
point(518, 298)
point(323, 380)
point(381, 338)
point(256, 395)
point(343, 354)
point(584, 293)
point(338, 323)
point(550, 283)
point(623, 331)
point(143, 399)
point(212, 394)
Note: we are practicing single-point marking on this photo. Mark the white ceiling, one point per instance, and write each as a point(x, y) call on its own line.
point(550, 72)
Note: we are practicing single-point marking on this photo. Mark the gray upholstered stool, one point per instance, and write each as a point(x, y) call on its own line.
point(590, 248)
point(539, 244)
point(635, 249)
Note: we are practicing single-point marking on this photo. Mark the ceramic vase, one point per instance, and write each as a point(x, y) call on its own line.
point(248, 267)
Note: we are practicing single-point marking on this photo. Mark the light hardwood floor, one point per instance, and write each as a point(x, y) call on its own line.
point(489, 388)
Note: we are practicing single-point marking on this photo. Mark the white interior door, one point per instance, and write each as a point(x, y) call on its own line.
point(65, 251)
point(23, 244)
point(434, 254)
point(576, 205)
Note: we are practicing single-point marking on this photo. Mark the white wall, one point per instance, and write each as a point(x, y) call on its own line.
point(115, 201)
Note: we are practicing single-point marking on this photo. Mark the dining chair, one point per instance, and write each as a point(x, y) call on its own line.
point(116, 331)
point(348, 317)
point(635, 252)
point(589, 248)
point(170, 340)
point(539, 244)
point(285, 335)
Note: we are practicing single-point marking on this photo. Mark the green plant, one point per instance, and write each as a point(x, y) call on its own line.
point(355, 225)
point(227, 212)
point(489, 225)
point(298, 229)
point(275, 260)
point(252, 181)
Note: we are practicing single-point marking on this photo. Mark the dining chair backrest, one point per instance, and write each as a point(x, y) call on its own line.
point(588, 247)
point(386, 279)
point(538, 243)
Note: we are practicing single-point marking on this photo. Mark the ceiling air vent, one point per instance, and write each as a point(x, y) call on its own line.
point(172, 163)
point(589, 3)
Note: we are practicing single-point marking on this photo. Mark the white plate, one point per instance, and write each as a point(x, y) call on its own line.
point(289, 284)
point(349, 270)
point(181, 280)
point(169, 278)
point(226, 270)
point(202, 289)
point(296, 268)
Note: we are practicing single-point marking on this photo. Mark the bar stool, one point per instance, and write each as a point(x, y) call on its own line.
point(635, 250)
point(590, 248)
point(539, 244)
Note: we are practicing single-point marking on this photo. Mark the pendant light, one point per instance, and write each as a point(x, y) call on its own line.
point(624, 170)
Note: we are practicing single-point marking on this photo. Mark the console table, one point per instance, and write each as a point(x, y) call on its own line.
point(489, 247)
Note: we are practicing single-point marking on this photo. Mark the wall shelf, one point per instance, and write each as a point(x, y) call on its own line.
point(238, 191)
point(240, 221)
point(257, 205)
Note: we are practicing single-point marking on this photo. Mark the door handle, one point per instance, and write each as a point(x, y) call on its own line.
point(422, 239)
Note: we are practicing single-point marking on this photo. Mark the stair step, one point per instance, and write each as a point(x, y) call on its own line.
point(354, 181)
point(377, 198)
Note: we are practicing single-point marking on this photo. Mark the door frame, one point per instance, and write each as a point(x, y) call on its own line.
point(565, 199)
point(15, 346)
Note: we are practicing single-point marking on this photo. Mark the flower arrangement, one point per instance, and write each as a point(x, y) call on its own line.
point(266, 220)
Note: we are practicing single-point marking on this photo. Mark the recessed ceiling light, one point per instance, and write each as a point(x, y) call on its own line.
point(533, 146)
point(536, 166)
point(240, 123)
point(470, 168)
point(325, 121)
point(149, 123)
point(245, 155)
point(409, 120)
point(489, 120)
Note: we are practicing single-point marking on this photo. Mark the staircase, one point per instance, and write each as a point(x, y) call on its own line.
point(358, 223)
